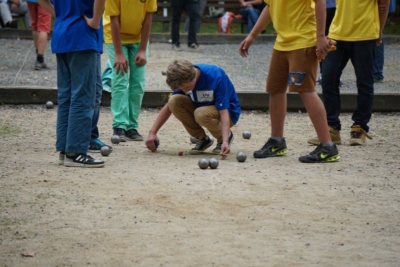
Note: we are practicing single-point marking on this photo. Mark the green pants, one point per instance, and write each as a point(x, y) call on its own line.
point(127, 89)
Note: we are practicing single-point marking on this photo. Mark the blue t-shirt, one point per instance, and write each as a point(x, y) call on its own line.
point(215, 88)
point(71, 32)
point(32, 1)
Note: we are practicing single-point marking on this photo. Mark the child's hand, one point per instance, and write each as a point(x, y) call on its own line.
point(324, 45)
point(120, 64)
point(91, 23)
point(152, 143)
point(245, 45)
point(225, 150)
point(140, 58)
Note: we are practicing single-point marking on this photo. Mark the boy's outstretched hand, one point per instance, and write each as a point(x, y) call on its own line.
point(152, 143)
point(225, 150)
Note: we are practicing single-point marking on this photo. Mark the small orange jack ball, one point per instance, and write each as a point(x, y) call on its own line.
point(180, 153)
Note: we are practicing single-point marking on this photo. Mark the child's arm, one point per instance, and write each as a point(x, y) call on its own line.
point(225, 124)
point(262, 22)
point(383, 13)
point(120, 62)
point(322, 45)
point(140, 58)
point(162, 117)
point(98, 8)
point(48, 6)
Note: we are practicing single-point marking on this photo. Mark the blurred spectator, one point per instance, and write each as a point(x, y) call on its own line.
point(379, 59)
point(202, 7)
point(41, 23)
point(17, 7)
point(251, 10)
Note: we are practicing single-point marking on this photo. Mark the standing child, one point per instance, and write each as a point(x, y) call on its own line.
point(203, 96)
point(300, 26)
point(127, 26)
point(75, 43)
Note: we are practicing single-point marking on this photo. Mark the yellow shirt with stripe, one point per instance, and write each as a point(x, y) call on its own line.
point(132, 14)
point(295, 23)
point(355, 20)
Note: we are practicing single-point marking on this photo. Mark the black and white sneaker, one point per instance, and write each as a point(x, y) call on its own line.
point(217, 149)
point(82, 160)
point(96, 145)
point(202, 145)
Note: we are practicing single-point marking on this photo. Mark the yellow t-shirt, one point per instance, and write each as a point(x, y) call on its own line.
point(295, 23)
point(355, 20)
point(132, 14)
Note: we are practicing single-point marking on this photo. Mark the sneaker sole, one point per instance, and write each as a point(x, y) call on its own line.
point(74, 164)
point(315, 143)
point(327, 160)
point(134, 139)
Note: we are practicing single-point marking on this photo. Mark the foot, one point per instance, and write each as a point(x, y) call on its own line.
point(40, 65)
point(335, 137)
point(121, 133)
point(202, 145)
point(82, 160)
point(358, 135)
point(272, 148)
point(323, 153)
point(133, 135)
point(96, 145)
point(217, 149)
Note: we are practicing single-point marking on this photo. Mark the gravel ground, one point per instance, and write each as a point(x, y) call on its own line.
point(248, 74)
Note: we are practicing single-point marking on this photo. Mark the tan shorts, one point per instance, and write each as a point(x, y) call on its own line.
point(296, 69)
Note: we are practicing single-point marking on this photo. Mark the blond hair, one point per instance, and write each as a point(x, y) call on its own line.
point(180, 72)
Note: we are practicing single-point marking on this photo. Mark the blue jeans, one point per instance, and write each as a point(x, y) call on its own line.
point(251, 14)
point(99, 92)
point(379, 61)
point(76, 79)
point(361, 54)
point(192, 9)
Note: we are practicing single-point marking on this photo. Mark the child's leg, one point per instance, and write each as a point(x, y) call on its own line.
point(137, 82)
point(277, 113)
point(316, 111)
point(183, 109)
point(210, 118)
point(119, 92)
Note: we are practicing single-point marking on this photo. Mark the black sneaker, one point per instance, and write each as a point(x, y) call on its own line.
point(61, 158)
point(40, 65)
point(133, 135)
point(202, 145)
point(322, 154)
point(96, 145)
point(217, 149)
point(272, 148)
point(82, 160)
point(121, 133)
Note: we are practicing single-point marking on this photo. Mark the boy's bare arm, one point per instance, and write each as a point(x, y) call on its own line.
point(140, 58)
point(120, 62)
point(48, 6)
point(225, 124)
point(383, 14)
point(98, 8)
point(322, 46)
point(162, 117)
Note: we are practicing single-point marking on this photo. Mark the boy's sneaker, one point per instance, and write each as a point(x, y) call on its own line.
point(202, 145)
point(96, 145)
point(40, 65)
point(357, 136)
point(322, 154)
point(82, 160)
point(61, 158)
point(335, 137)
point(194, 48)
point(176, 47)
point(217, 149)
point(133, 135)
point(121, 133)
point(272, 148)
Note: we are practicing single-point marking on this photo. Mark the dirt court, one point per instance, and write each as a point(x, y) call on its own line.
point(161, 209)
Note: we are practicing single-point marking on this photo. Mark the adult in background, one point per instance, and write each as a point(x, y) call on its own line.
point(379, 60)
point(251, 10)
point(41, 23)
point(18, 7)
point(192, 9)
point(357, 28)
point(202, 4)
